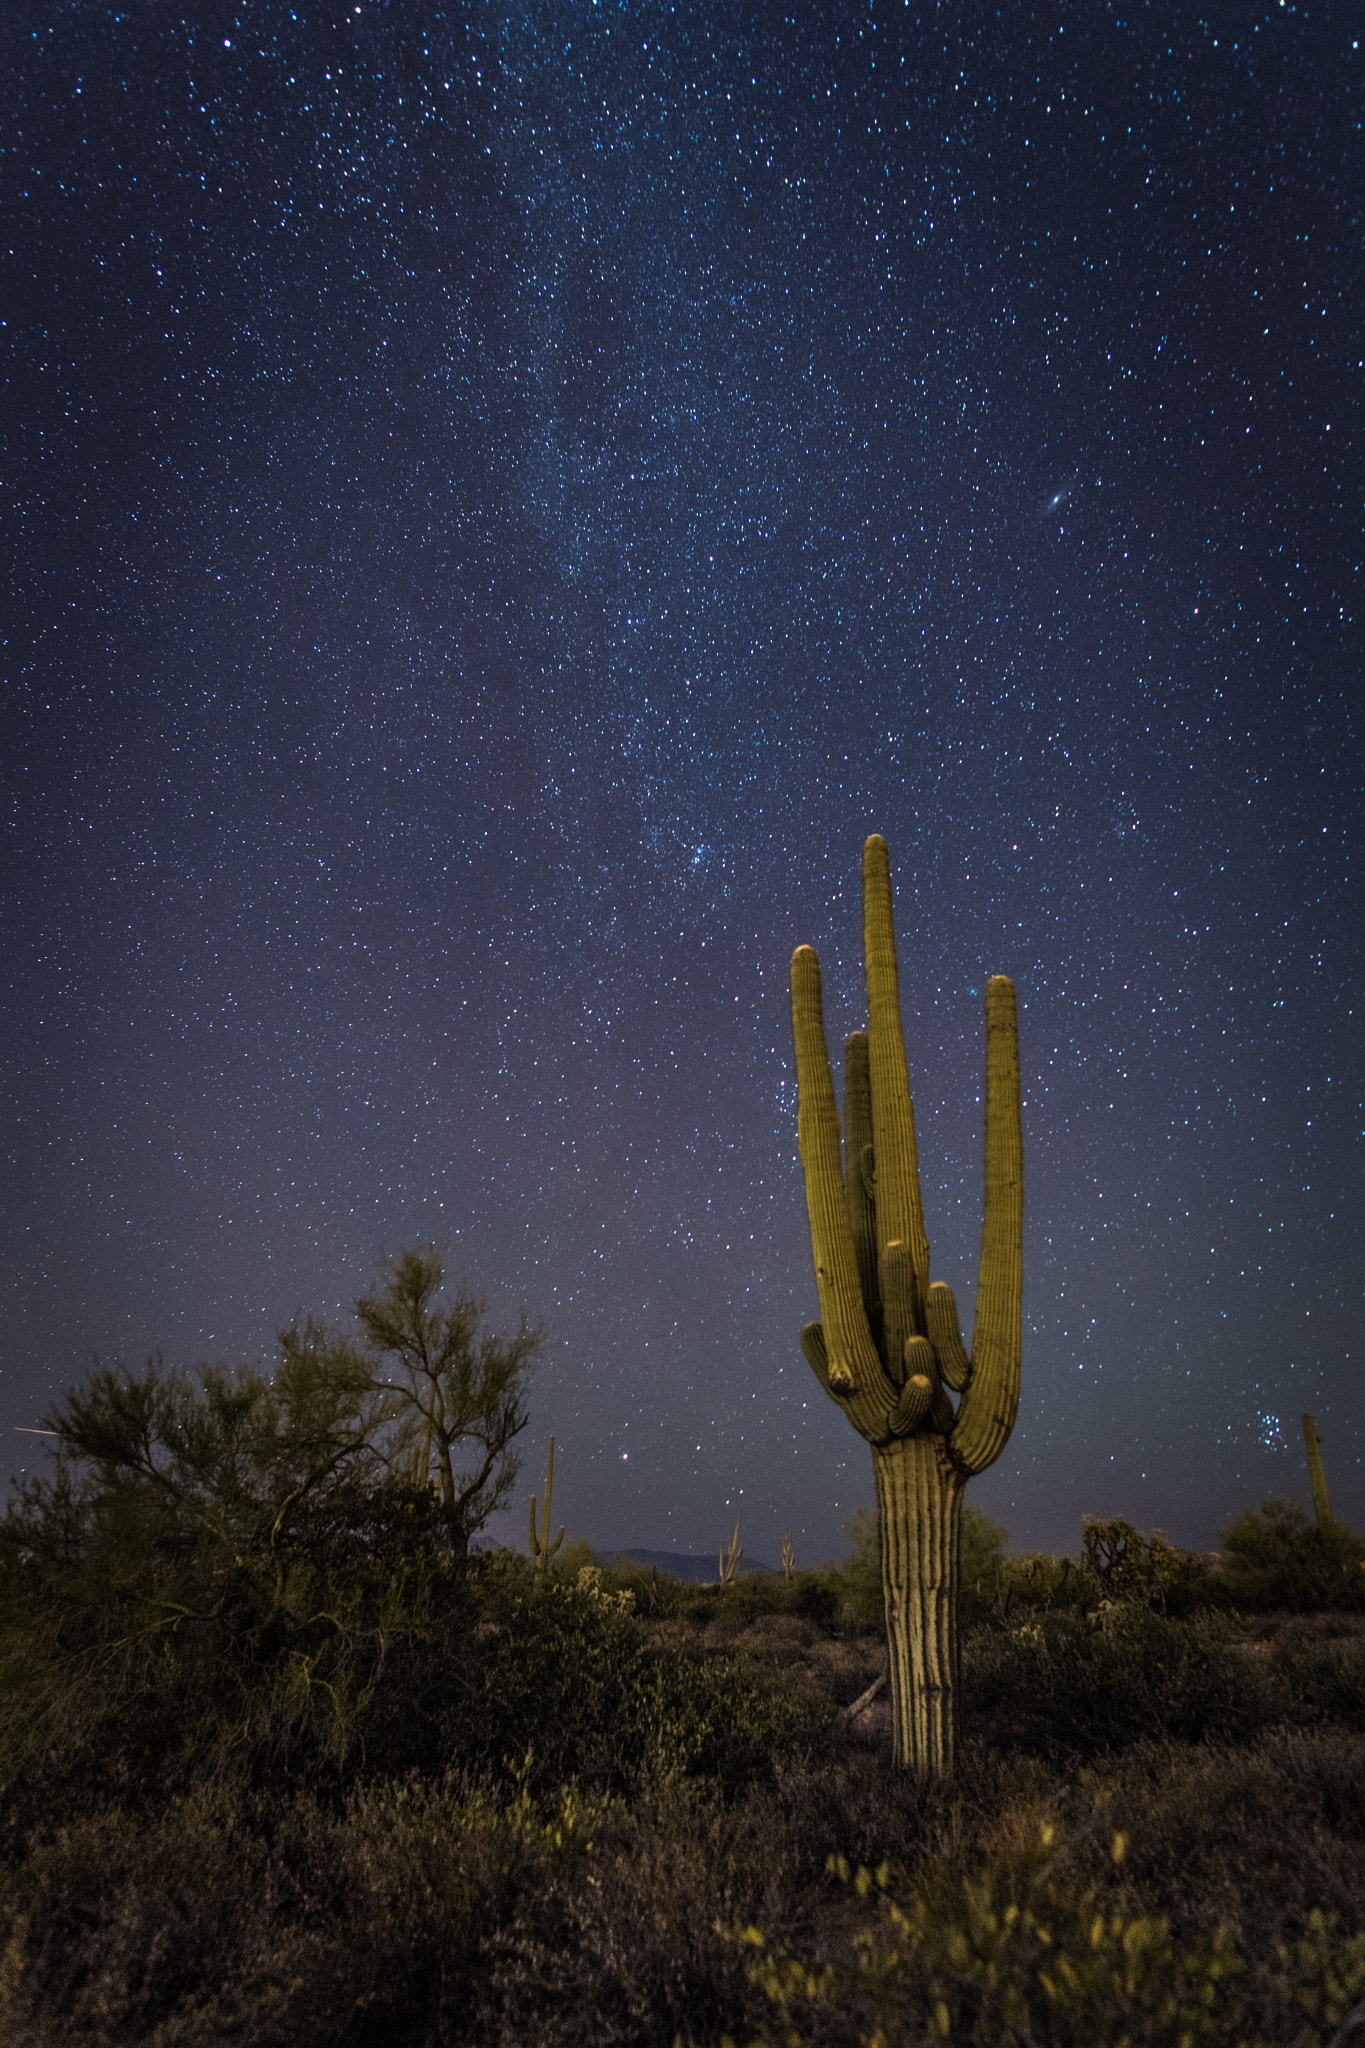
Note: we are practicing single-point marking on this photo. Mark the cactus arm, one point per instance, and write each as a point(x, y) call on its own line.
point(920, 1363)
point(916, 1400)
point(859, 1174)
point(534, 1538)
point(813, 1346)
point(1322, 1506)
point(991, 1400)
point(901, 1311)
point(940, 1312)
point(854, 1369)
point(900, 1209)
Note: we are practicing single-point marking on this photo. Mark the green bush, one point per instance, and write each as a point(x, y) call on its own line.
point(139, 1656)
point(126, 1677)
point(1274, 1558)
point(1038, 1584)
point(561, 1681)
point(1019, 1954)
point(1321, 1675)
point(1124, 1565)
point(1065, 1681)
point(815, 1595)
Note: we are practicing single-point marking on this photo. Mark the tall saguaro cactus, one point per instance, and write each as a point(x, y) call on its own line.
point(542, 1549)
point(1312, 1443)
point(887, 1348)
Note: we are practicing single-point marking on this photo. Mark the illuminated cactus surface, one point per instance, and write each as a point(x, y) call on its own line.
point(887, 1349)
point(542, 1549)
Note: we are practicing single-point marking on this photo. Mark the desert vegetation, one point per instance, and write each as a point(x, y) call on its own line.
point(281, 1761)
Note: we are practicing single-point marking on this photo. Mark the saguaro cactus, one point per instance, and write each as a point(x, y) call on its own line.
point(887, 1348)
point(1312, 1443)
point(729, 1561)
point(541, 1547)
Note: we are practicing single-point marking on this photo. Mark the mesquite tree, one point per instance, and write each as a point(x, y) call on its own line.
point(888, 1349)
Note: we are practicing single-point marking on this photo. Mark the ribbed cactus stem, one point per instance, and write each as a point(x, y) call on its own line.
point(900, 1210)
point(860, 1174)
point(919, 1516)
point(991, 1400)
point(1312, 1443)
point(888, 1347)
point(542, 1549)
point(852, 1366)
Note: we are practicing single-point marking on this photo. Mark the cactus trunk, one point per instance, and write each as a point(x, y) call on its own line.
point(888, 1350)
point(1317, 1478)
point(919, 1516)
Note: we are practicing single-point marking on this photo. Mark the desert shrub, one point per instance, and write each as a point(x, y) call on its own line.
point(1019, 1953)
point(132, 1661)
point(1031, 1585)
point(859, 1576)
point(984, 1543)
point(403, 1660)
point(1125, 1565)
point(814, 1595)
point(561, 1680)
point(220, 1574)
point(1066, 1681)
point(653, 1594)
point(1275, 1558)
point(474, 1913)
point(1260, 1835)
point(570, 1559)
point(369, 1923)
point(1014, 1954)
point(1324, 1681)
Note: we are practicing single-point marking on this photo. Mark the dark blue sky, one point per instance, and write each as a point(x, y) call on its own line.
point(499, 502)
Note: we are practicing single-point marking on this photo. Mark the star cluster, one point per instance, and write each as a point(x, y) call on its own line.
point(500, 501)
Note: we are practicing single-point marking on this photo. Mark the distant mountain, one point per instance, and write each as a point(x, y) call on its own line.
point(673, 1564)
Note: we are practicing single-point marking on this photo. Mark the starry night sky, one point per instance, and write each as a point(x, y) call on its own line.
point(495, 515)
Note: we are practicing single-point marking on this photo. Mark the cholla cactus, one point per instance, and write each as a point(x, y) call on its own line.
point(887, 1349)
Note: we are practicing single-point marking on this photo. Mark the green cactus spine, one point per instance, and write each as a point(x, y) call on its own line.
point(1312, 1443)
point(887, 1348)
point(542, 1549)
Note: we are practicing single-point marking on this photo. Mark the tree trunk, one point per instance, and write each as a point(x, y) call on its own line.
point(919, 1517)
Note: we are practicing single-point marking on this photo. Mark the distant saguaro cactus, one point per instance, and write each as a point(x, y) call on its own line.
point(541, 1547)
point(888, 1347)
point(729, 1560)
point(1312, 1443)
